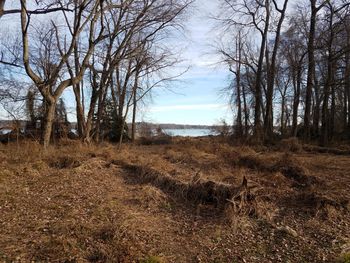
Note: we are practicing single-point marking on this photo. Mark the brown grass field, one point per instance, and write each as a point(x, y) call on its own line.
point(193, 200)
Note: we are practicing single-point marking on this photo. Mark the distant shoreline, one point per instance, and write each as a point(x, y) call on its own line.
point(176, 126)
point(138, 124)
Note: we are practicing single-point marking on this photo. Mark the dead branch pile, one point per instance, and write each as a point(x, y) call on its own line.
point(197, 191)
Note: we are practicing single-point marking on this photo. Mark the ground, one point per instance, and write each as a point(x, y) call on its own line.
point(185, 201)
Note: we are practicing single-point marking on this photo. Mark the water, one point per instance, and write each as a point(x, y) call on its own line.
point(5, 131)
point(188, 132)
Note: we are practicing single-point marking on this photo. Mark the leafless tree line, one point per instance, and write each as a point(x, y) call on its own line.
point(112, 53)
point(290, 64)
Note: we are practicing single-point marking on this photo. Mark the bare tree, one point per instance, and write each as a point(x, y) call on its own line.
point(51, 87)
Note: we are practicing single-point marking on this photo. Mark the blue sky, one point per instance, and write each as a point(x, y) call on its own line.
point(194, 98)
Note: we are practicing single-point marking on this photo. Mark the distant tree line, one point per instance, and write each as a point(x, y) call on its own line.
point(111, 53)
point(290, 66)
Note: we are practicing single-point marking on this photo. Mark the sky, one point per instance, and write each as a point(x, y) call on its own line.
point(195, 97)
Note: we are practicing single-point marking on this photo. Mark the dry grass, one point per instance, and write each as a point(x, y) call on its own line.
point(179, 202)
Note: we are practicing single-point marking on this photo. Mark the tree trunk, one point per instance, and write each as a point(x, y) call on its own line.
point(347, 84)
point(329, 83)
point(79, 111)
point(136, 84)
point(268, 120)
point(2, 4)
point(133, 127)
point(347, 90)
point(246, 113)
point(283, 106)
point(316, 109)
point(296, 101)
point(239, 130)
point(100, 106)
point(78, 88)
point(311, 70)
point(49, 118)
point(258, 93)
point(345, 110)
point(332, 117)
point(88, 128)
